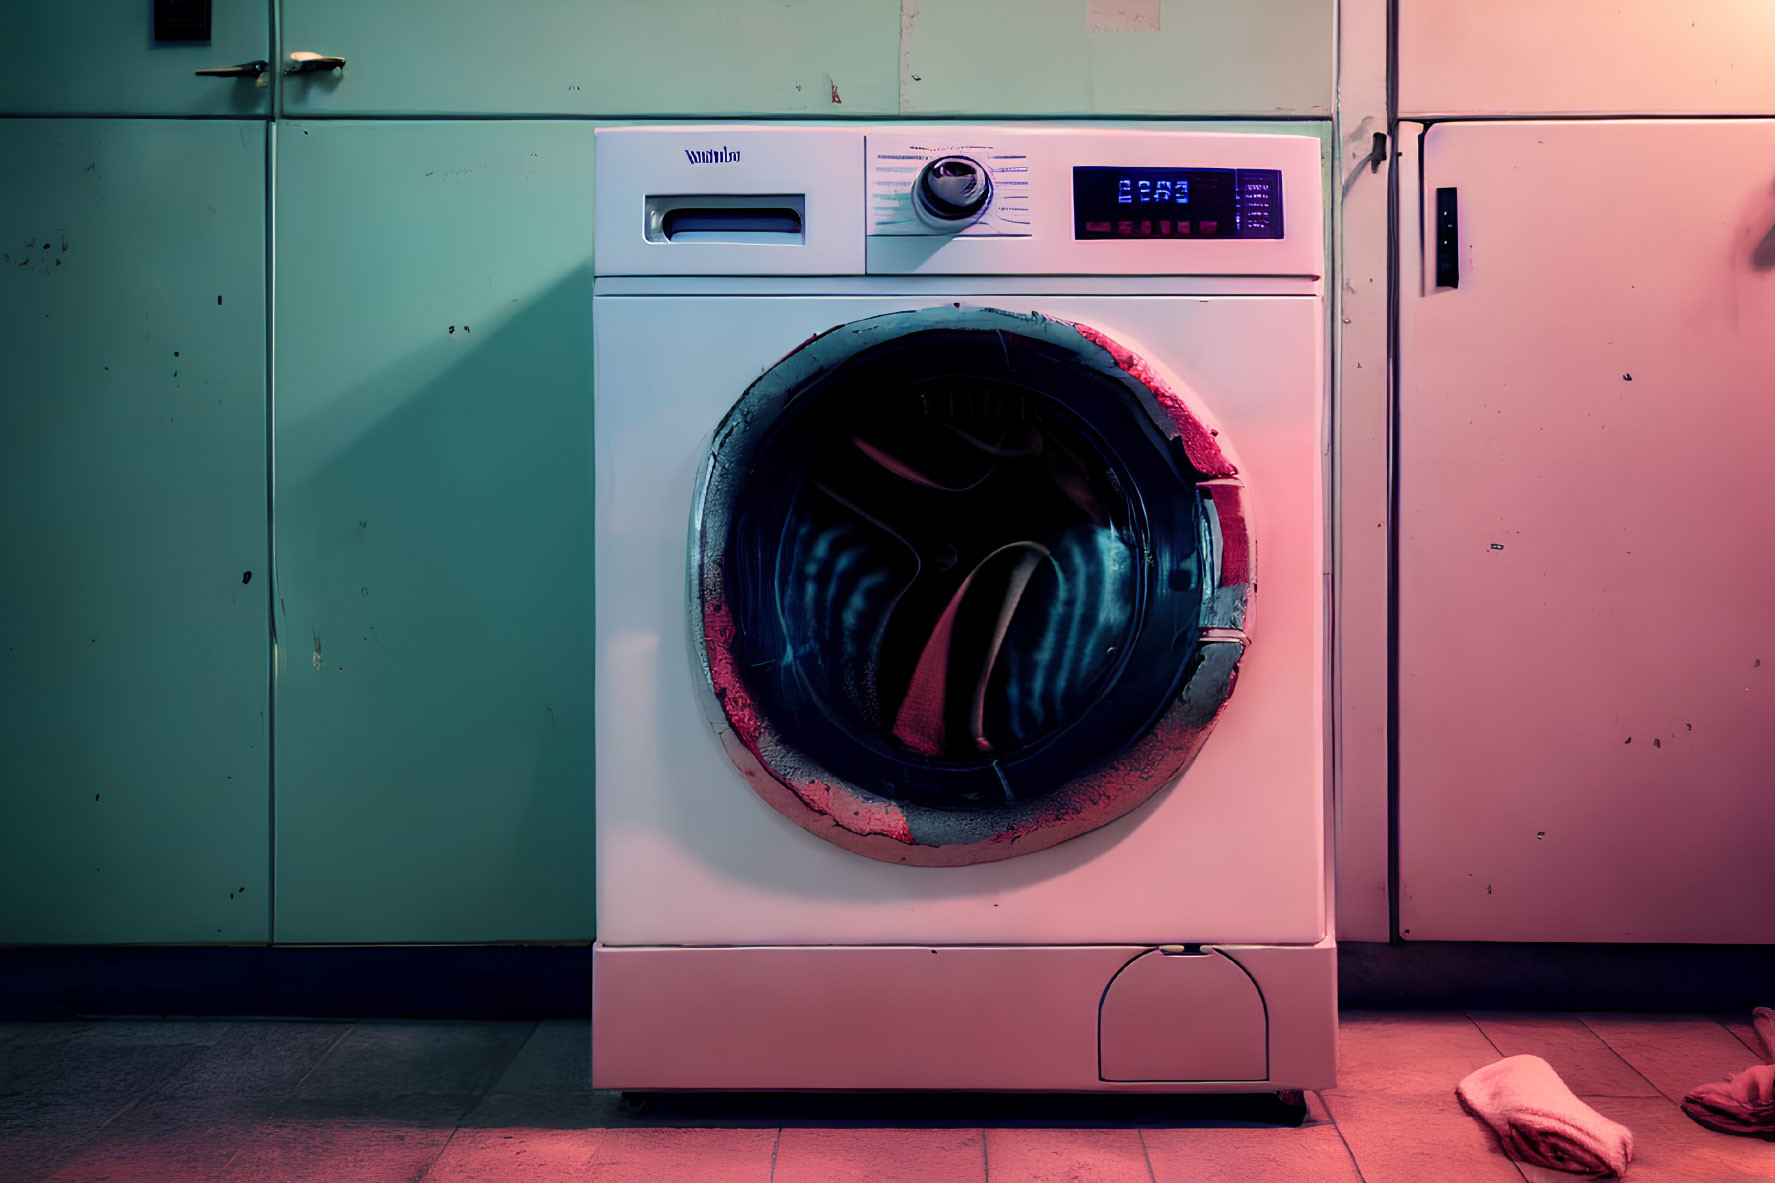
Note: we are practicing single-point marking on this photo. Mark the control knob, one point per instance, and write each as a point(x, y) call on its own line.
point(951, 192)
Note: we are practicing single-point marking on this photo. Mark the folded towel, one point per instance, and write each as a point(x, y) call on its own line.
point(1743, 1103)
point(1540, 1121)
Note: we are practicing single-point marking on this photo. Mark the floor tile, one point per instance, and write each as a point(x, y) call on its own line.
point(557, 1058)
point(546, 1111)
point(256, 1059)
point(881, 1156)
point(1675, 1052)
point(166, 1139)
point(1254, 1154)
point(665, 1156)
point(515, 1152)
point(1065, 1156)
point(49, 1031)
point(1743, 1030)
point(1589, 1067)
point(439, 1110)
point(28, 1052)
point(40, 1133)
point(76, 1067)
point(342, 1150)
point(391, 1059)
point(1408, 1053)
point(54, 1096)
point(153, 1032)
point(1395, 1103)
point(1411, 1139)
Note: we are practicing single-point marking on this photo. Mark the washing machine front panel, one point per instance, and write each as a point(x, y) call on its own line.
point(1232, 851)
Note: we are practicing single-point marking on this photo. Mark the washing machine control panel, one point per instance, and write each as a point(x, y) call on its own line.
point(954, 199)
point(928, 185)
point(1088, 186)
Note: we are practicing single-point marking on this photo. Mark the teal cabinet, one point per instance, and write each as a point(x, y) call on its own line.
point(133, 604)
point(99, 57)
point(985, 58)
point(797, 58)
point(433, 531)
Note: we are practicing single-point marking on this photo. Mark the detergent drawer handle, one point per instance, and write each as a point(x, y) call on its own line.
point(759, 219)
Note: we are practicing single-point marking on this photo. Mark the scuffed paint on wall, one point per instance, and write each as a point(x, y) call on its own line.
point(1122, 16)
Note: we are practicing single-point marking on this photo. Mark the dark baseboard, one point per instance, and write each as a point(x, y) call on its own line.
point(1479, 975)
point(342, 981)
point(555, 981)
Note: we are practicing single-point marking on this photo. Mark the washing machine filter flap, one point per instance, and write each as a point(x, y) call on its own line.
point(967, 583)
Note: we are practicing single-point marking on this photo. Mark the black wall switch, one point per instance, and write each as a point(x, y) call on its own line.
point(181, 20)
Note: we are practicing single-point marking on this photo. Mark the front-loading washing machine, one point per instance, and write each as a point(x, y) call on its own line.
point(961, 610)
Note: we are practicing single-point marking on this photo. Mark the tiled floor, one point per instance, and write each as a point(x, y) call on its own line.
point(154, 1101)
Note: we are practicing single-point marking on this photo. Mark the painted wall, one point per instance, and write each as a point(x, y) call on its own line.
point(426, 616)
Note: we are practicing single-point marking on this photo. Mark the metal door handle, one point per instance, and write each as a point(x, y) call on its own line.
point(244, 70)
point(304, 62)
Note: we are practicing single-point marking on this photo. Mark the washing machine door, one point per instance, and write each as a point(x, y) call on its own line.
point(966, 583)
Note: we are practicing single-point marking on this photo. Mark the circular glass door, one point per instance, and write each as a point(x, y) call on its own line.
point(966, 583)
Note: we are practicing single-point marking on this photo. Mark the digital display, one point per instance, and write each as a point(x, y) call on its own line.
point(1150, 190)
point(1176, 203)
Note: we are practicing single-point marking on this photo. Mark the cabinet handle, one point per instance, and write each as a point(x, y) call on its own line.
point(244, 70)
point(1448, 239)
point(304, 62)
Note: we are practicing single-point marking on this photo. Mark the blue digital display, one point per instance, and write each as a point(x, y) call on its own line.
point(1146, 190)
point(1176, 202)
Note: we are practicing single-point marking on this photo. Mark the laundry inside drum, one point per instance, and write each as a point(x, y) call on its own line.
point(941, 577)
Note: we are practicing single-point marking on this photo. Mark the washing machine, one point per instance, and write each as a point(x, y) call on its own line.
point(961, 610)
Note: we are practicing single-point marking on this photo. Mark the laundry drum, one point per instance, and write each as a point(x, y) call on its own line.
point(966, 583)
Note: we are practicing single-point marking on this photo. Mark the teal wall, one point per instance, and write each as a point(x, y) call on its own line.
point(386, 735)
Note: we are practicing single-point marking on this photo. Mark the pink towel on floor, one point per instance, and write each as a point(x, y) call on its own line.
point(1540, 1121)
point(1743, 1103)
point(1763, 1020)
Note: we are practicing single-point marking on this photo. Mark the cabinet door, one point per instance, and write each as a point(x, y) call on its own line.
point(433, 531)
point(697, 58)
point(983, 58)
point(99, 57)
point(1586, 681)
point(133, 753)
point(1586, 57)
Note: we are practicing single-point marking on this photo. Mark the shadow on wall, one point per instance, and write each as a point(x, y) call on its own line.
point(434, 698)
